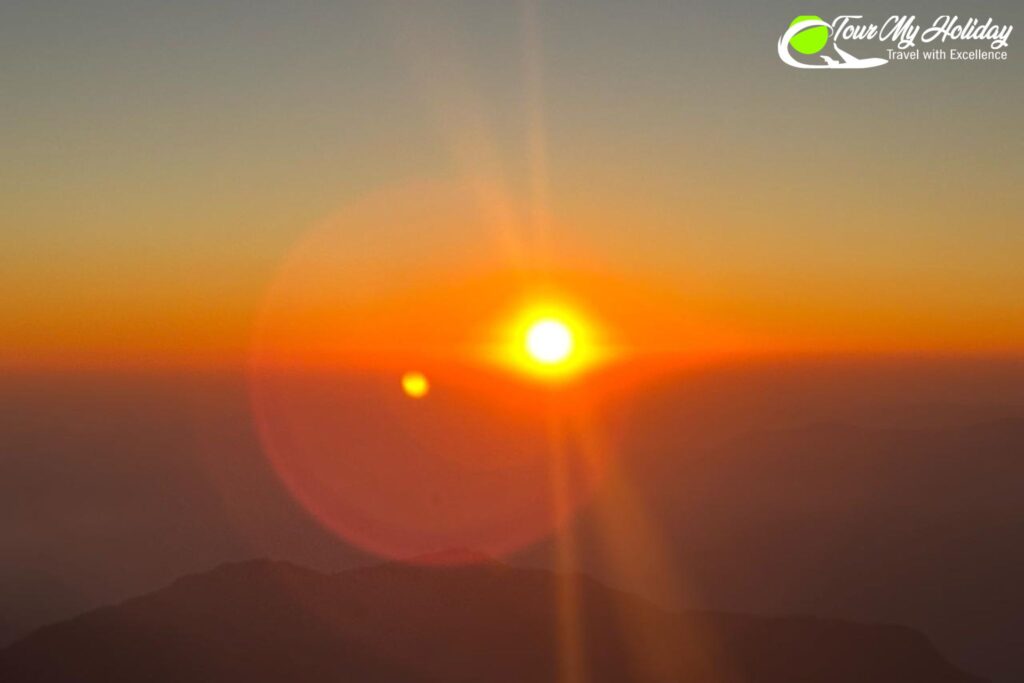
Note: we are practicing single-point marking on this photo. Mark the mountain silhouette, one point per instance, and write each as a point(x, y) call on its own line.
point(273, 621)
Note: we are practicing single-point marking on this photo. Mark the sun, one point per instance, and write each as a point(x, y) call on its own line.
point(549, 341)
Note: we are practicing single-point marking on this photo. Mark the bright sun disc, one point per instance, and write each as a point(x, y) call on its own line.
point(549, 341)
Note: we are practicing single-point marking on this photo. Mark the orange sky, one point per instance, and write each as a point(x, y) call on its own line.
point(437, 267)
point(154, 208)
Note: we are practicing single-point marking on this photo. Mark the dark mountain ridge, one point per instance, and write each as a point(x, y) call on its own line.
point(274, 621)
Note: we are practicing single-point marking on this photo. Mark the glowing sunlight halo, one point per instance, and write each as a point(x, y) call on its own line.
point(550, 342)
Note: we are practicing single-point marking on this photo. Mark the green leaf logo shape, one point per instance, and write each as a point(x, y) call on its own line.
point(809, 41)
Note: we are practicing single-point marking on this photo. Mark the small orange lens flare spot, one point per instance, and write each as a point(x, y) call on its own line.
point(549, 341)
point(415, 384)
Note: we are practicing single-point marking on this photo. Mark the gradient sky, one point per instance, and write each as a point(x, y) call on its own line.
point(162, 159)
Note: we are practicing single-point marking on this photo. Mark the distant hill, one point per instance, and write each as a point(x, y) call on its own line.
point(921, 527)
point(270, 621)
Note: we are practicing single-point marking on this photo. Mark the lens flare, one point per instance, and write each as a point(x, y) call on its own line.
point(415, 384)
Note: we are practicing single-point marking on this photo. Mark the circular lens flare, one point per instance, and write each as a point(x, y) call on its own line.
point(345, 358)
point(415, 384)
point(549, 341)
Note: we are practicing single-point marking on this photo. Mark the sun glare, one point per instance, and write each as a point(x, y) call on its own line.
point(549, 341)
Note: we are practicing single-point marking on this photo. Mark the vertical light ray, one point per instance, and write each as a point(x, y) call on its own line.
point(443, 80)
point(636, 554)
point(569, 627)
point(533, 58)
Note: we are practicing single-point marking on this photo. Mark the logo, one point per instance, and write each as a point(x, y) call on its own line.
point(810, 42)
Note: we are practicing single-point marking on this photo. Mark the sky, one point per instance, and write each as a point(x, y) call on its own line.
point(164, 161)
